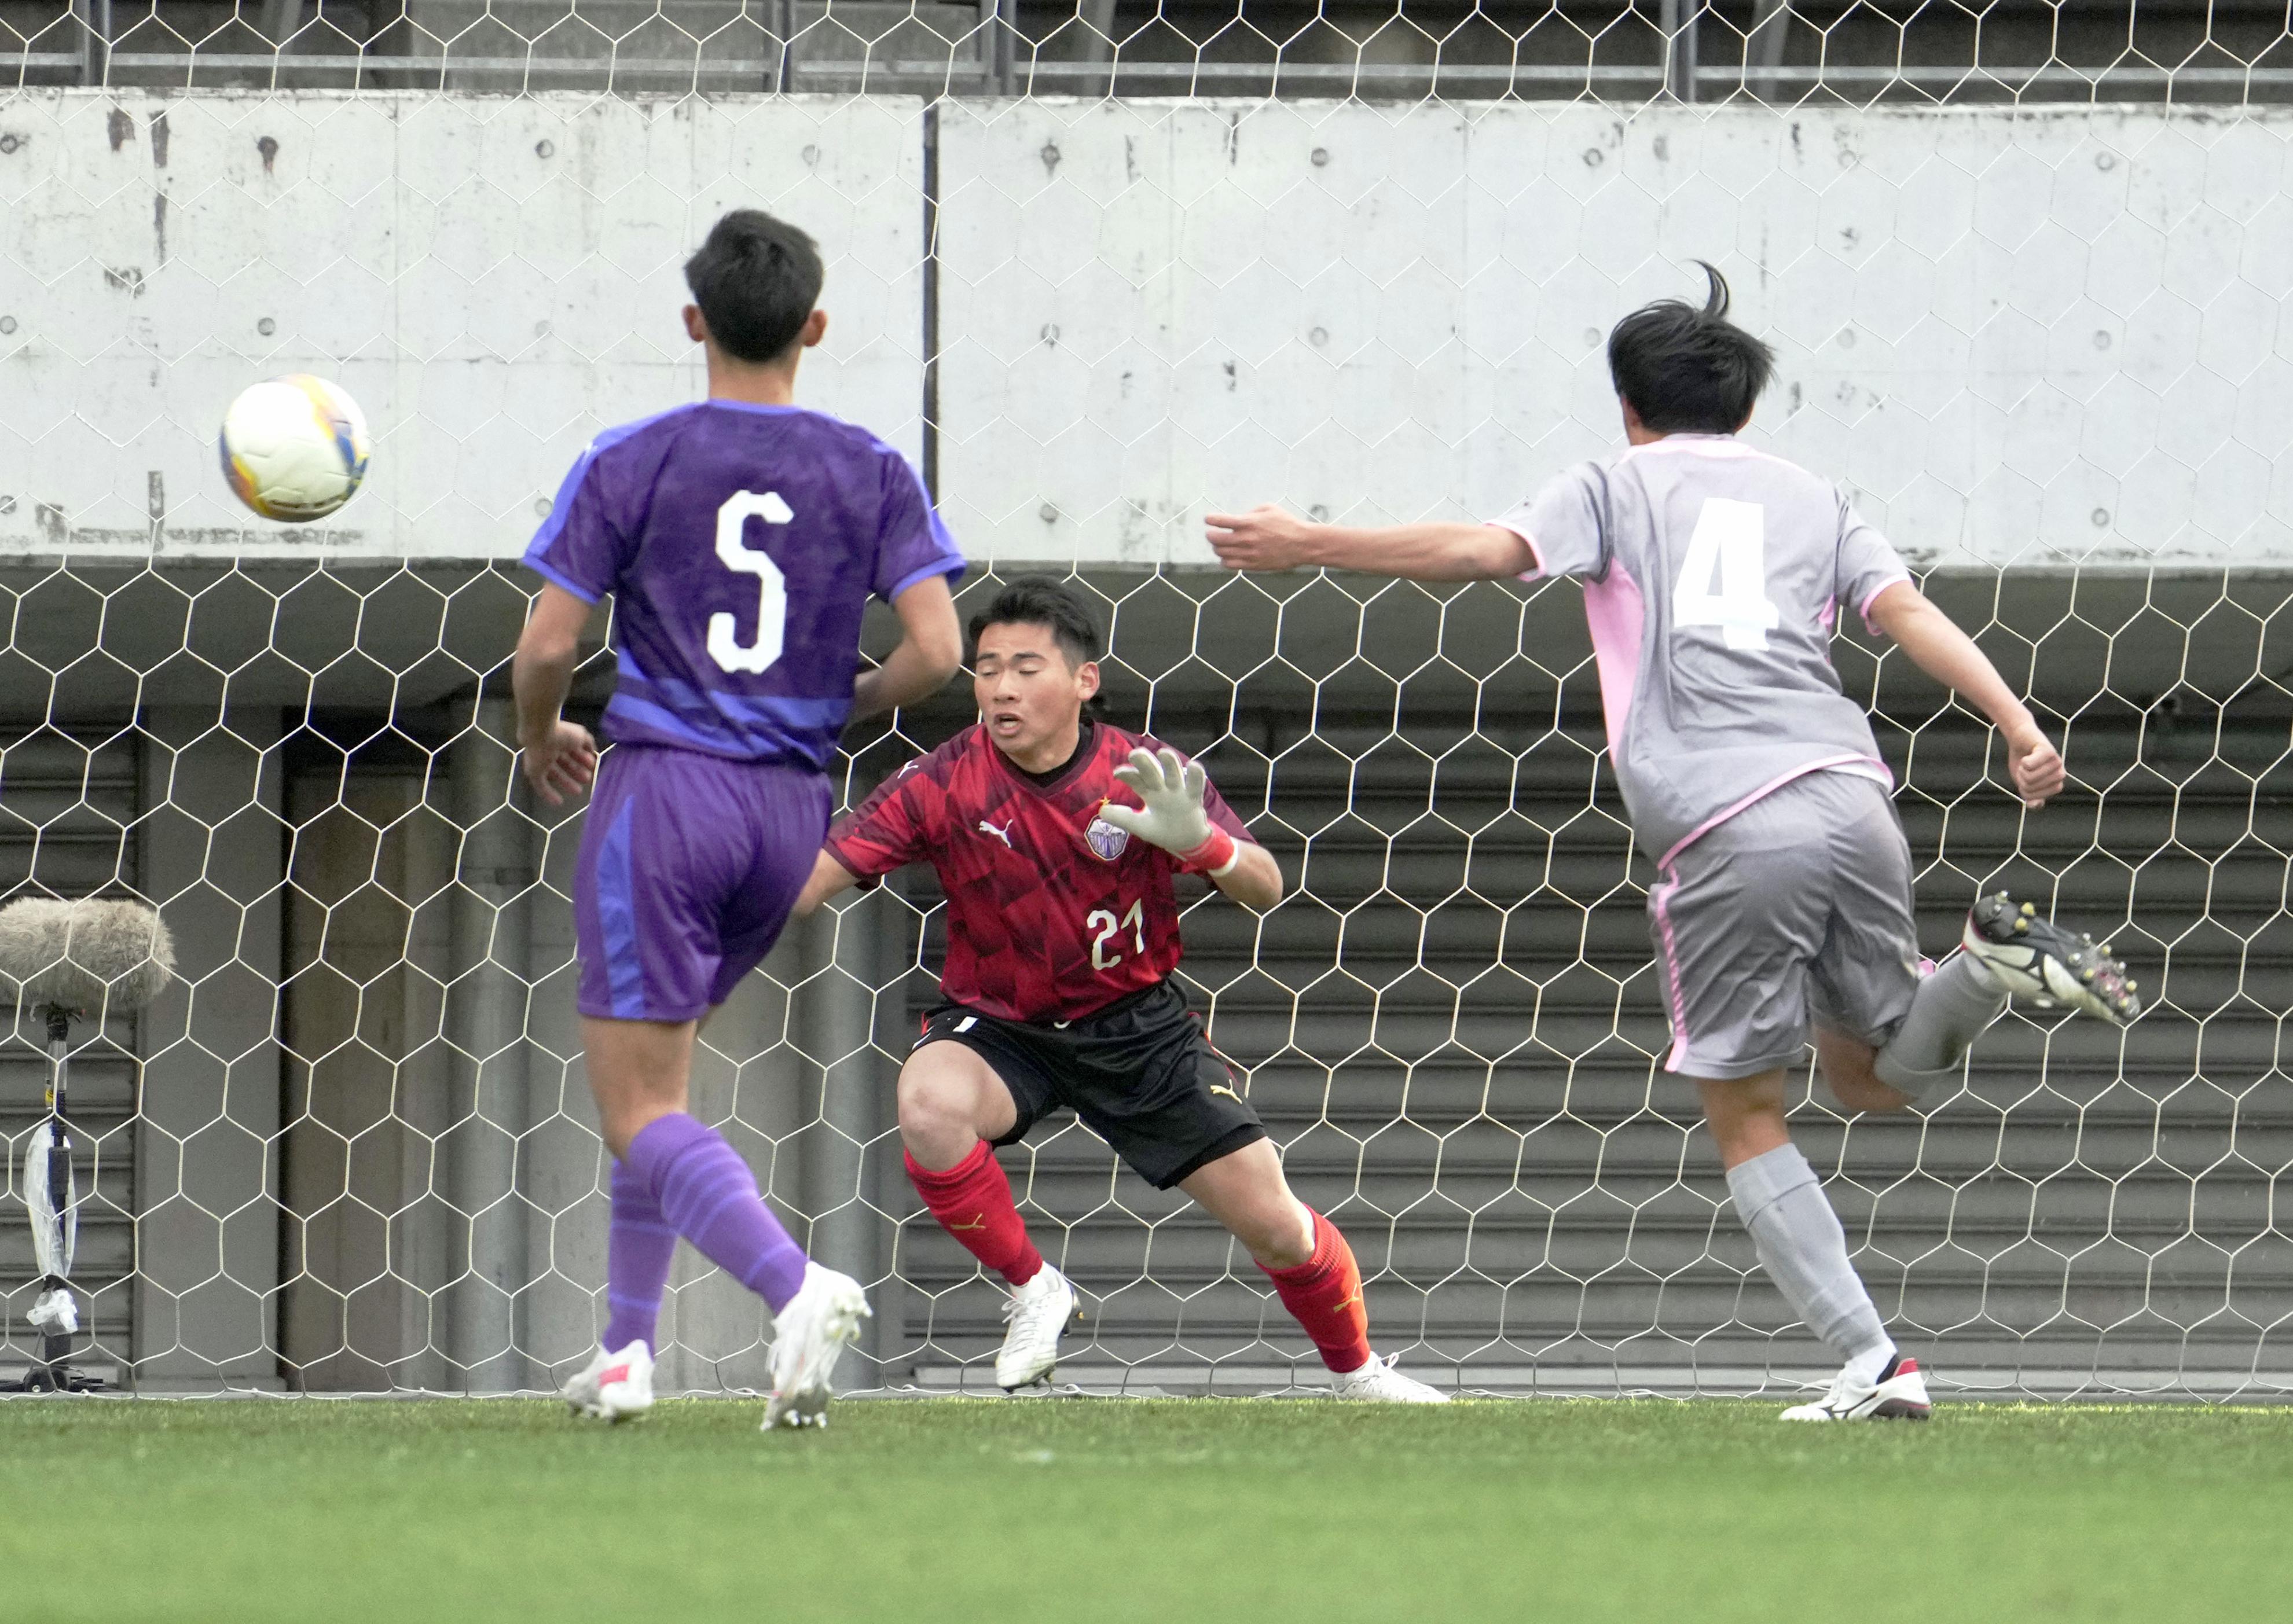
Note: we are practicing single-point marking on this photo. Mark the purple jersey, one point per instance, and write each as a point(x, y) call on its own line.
point(741, 544)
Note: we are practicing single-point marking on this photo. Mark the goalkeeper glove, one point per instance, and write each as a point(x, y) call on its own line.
point(1172, 816)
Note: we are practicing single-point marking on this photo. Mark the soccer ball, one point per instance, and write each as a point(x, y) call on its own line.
point(294, 447)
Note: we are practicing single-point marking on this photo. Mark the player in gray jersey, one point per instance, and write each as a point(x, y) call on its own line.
point(1714, 576)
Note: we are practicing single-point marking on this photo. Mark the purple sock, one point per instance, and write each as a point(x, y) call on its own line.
point(708, 1193)
point(637, 1253)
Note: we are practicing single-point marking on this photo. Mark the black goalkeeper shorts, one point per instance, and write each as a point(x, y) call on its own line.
point(1140, 1073)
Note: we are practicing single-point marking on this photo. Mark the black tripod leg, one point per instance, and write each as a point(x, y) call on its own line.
point(52, 1371)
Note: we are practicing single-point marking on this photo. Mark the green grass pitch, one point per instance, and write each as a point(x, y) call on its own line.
point(947, 1511)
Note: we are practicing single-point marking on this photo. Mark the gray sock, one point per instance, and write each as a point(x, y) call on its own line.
point(1952, 1007)
point(1804, 1250)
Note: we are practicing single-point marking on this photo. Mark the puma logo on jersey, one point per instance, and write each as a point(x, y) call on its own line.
point(1229, 1093)
point(1003, 834)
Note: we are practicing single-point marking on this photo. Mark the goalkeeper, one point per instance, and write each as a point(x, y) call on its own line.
point(1713, 575)
point(1056, 837)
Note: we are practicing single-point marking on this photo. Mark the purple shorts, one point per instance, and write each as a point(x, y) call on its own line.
point(688, 867)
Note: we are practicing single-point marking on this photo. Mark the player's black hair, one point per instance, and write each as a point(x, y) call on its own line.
point(1038, 600)
point(756, 281)
point(1685, 370)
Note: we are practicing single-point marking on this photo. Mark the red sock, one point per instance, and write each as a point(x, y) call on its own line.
point(1324, 1294)
point(972, 1201)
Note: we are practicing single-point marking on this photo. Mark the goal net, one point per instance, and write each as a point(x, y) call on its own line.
point(1099, 269)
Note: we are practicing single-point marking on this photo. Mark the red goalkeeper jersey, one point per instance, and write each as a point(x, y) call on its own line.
point(1052, 912)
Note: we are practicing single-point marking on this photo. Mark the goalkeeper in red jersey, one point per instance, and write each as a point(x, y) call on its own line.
point(1056, 837)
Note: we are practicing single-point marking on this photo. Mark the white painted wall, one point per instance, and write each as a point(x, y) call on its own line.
point(2034, 339)
point(2026, 338)
point(494, 280)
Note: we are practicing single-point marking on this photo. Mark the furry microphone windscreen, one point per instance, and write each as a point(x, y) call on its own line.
point(87, 955)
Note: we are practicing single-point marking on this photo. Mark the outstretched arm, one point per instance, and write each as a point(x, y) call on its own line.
point(929, 653)
point(1173, 818)
point(558, 757)
point(1939, 649)
point(1255, 880)
point(829, 877)
point(1267, 539)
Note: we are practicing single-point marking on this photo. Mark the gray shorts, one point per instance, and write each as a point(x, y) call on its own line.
point(1796, 910)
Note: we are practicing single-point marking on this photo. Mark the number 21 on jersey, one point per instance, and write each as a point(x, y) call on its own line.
point(1109, 928)
point(1724, 582)
point(724, 646)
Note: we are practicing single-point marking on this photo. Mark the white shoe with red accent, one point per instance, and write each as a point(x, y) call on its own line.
point(1899, 1394)
point(615, 1386)
point(808, 1337)
point(1379, 1381)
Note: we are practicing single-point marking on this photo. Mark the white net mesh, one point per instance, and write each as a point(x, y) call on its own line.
point(353, 1150)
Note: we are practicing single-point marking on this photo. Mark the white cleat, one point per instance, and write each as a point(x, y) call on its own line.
point(1038, 1314)
point(2036, 959)
point(1378, 1382)
point(1899, 1394)
point(614, 1386)
point(808, 1337)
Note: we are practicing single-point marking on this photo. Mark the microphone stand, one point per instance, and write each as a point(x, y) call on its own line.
point(55, 1229)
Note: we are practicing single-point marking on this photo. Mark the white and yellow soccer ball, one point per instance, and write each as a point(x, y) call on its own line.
point(294, 448)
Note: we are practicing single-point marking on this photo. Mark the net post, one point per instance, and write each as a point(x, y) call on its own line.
point(487, 1027)
point(837, 1026)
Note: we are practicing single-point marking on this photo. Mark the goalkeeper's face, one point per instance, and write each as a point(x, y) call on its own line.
point(1030, 698)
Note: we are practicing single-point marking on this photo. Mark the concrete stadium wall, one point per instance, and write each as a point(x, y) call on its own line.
point(2028, 339)
point(493, 279)
point(2025, 339)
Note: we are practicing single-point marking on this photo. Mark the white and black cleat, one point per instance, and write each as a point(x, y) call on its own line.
point(1899, 1394)
point(1038, 1314)
point(2037, 959)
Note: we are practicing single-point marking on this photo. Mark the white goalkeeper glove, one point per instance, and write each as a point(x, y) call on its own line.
point(1172, 816)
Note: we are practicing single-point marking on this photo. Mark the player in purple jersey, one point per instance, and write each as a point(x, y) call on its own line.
point(1712, 576)
point(740, 538)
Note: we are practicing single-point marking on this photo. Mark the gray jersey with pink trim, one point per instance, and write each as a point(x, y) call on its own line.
point(1713, 574)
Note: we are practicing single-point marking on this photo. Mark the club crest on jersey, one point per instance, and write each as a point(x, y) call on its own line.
point(1107, 842)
